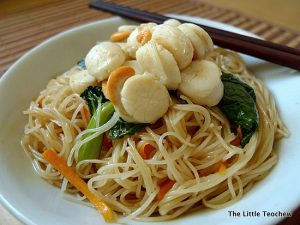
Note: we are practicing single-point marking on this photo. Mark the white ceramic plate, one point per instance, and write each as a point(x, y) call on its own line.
point(34, 201)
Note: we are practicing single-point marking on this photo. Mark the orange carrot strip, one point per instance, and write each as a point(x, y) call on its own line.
point(236, 141)
point(60, 164)
point(231, 160)
point(162, 181)
point(40, 102)
point(147, 151)
point(165, 187)
point(86, 114)
point(209, 170)
point(222, 168)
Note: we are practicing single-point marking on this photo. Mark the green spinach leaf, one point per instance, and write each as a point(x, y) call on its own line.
point(93, 95)
point(122, 128)
point(239, 105)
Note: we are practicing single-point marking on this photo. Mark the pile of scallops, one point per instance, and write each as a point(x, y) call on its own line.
point(138, 66)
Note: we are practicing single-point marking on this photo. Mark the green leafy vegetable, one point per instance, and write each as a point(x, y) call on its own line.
point(92, 148)
point(81, 63)
point(102, 109)
point(239, 105)
point(122, 128)
point(93, 95)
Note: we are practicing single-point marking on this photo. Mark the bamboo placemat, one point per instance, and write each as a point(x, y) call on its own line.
point(22, 30)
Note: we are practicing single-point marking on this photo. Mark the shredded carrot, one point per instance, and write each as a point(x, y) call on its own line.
point(217, 167)
point(147, 151)
point(231, 160)
point(107, 143)
point(236, 141)
point(163, 180)
point(86, 114)
point(60, 164)
point(209, 170)
point(40, 102)
point(222, 168)
point(164, 188)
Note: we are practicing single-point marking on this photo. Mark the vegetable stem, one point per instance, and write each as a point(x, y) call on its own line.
point(164, 188)
point(92, 148)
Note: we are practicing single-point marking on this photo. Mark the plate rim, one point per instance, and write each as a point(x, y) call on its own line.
point(18, 215)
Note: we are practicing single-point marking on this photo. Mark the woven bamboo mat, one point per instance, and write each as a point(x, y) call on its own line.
point(24, 29)
point(21, 31)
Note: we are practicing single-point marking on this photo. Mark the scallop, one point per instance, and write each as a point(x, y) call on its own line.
point(176, 42)
point(103, 58)
point(155, 59)
point(199, 38)
point(201, 82)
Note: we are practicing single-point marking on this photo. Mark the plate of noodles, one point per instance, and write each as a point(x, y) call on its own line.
point(128, 123)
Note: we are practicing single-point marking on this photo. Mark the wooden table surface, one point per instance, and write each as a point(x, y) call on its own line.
point(24, 24)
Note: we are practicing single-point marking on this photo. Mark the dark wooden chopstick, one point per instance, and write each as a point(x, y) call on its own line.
point(262, 49)
point(145, 16)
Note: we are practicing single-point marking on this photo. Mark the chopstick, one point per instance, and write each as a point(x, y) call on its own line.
point(266, 50)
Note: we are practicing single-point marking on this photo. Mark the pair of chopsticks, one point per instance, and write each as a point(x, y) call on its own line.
point(262, 49)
